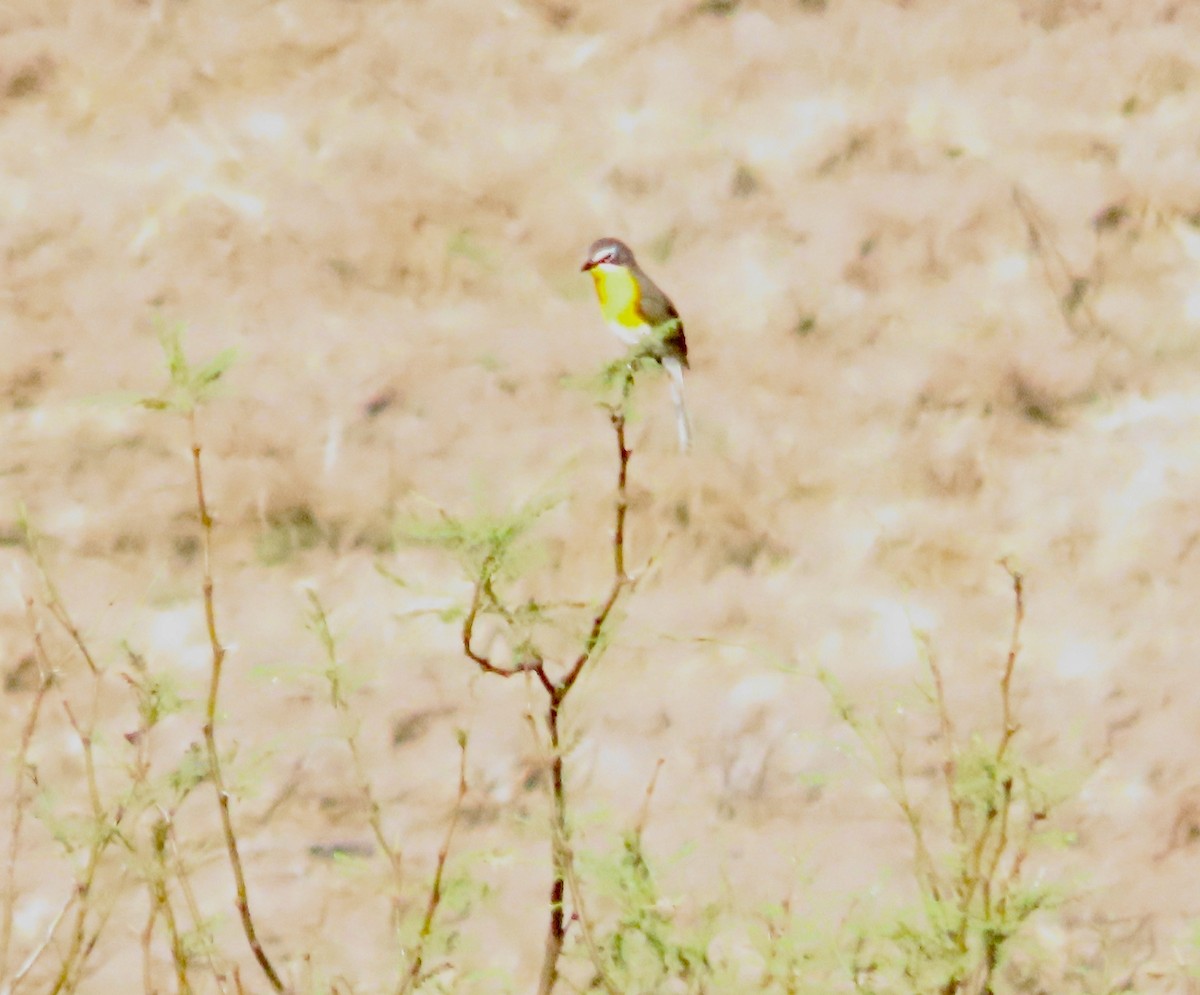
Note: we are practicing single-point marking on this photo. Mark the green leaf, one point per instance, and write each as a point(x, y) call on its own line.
point(213, 370)
point(170, 337)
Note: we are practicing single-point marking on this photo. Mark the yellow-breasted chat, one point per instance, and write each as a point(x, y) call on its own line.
point(634, 307)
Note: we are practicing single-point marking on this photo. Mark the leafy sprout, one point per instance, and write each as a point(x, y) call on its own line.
point(189, 386)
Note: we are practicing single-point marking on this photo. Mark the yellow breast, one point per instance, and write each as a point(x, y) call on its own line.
point(619, 294)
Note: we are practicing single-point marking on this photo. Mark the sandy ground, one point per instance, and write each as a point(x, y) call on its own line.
point(940, 268)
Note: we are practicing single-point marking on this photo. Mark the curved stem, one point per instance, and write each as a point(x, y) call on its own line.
point(210, 723)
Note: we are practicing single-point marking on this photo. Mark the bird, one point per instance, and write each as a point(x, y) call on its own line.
point(633, 306)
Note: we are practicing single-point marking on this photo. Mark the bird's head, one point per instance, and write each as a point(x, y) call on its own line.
point(607, 252)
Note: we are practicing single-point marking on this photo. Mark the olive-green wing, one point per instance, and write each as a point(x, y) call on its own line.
point(657, 309)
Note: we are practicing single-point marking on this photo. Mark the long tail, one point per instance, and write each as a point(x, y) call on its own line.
point(683, 426)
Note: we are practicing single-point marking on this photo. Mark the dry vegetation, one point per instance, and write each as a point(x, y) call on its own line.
point(940, 267)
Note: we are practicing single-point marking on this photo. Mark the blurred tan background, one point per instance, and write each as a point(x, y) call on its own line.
point(939, 264)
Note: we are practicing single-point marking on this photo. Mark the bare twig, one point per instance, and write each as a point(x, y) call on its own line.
point(157, 874)
point(160, 903)
point(484, 599)
point(104, 829)
point(968, 910)
point(483, 589)
point(639, 827)
point(184, 880)
point(35, 954)
point(210, 720)
point(1069, 289)
point(560, 856)
point(561, 852)
point(1009, 728)
point(54, 602)
point(20, 803)
point(621, 579)
point(948, 742)
point(147, 946)
point(580, 914)
point(105, 823)
point(319, 622)
point(413, 978)
point(897, 786)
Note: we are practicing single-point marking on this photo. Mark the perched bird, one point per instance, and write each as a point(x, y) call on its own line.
point(634, 307)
